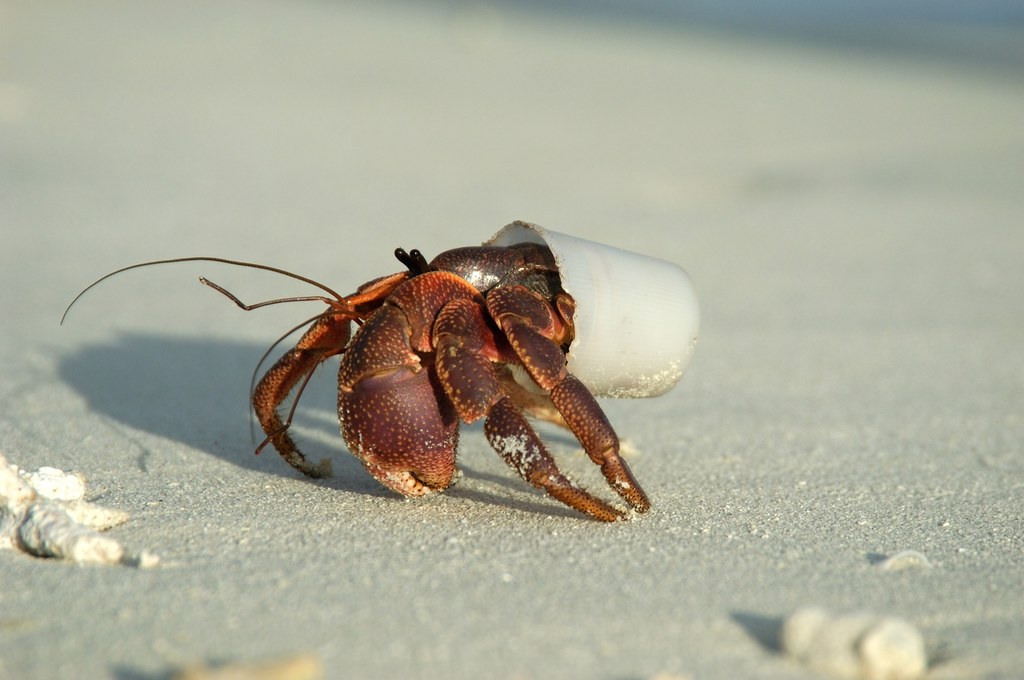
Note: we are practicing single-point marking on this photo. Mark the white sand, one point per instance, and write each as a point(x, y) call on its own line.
point(853, 223)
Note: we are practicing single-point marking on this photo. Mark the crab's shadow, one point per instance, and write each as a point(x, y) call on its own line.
point(195, 391)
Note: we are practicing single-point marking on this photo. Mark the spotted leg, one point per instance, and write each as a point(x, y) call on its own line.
point(326, 337)
point(537, 331)
point(466, 352)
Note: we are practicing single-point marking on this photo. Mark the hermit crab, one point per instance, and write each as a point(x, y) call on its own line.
point(532, 323)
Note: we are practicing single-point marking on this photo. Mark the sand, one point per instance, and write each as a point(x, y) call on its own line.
point(851, 219)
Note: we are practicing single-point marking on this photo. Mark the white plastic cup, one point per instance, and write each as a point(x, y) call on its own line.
point(637, 318)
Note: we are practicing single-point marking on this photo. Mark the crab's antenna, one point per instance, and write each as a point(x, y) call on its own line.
point(265, 303)
point(221, 260)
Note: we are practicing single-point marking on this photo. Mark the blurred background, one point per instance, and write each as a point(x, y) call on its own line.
point(985, 32)
point(289, 132)
point(844, 181)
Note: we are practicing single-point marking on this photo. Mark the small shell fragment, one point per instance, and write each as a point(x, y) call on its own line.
point(49, 482)
point(43, 513)
point(637, 317)
point(49, 531)
point(906, 559)
point(299, 667)
point(854, 646)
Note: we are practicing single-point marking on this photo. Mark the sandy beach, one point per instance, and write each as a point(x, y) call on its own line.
point(852, 221)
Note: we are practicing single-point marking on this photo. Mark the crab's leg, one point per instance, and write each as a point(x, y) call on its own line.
point(531, 402)
point(515, 440)
point(465, 354)
point(590, 425)
point(536, 332)
point(326, 337)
